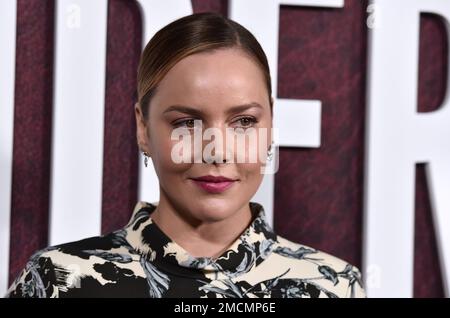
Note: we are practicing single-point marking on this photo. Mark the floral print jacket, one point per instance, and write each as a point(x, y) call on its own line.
point(139, 260)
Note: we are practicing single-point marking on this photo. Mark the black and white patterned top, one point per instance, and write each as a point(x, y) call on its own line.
point(139, 260)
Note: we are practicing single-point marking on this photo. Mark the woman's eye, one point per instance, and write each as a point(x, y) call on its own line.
point(244, 122)
point(188, 123)
point(247, 121)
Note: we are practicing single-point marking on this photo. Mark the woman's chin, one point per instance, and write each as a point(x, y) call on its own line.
point(213, 210)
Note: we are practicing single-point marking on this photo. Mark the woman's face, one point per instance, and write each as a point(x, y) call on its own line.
point(209, 86)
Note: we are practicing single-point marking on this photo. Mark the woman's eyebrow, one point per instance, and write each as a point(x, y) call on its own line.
point(197, 112)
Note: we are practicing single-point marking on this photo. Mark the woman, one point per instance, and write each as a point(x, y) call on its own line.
point(204, 238)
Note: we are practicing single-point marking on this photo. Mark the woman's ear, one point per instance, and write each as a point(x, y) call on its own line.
point(142, 134)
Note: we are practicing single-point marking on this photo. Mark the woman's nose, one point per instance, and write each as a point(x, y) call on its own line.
point(217, 147)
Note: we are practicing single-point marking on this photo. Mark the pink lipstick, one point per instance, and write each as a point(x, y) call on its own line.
point(213, 184)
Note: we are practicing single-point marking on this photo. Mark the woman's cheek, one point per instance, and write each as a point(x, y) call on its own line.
point(170, 156)
point(250, 173)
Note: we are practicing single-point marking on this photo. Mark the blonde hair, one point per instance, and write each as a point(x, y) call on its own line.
point(195, 33)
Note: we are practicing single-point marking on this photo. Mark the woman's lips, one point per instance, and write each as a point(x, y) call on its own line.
point(214, 187)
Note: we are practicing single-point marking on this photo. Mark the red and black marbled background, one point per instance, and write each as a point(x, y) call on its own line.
point(318, 192)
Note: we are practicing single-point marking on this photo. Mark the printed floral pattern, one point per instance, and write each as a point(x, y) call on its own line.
point(141, 261)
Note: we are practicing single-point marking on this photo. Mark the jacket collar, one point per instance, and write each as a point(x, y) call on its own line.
point(251, 248)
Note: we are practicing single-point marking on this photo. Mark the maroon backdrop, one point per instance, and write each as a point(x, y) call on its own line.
point(318, 192)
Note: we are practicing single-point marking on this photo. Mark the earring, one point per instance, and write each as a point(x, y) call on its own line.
point(145, 158)
point(270, 152)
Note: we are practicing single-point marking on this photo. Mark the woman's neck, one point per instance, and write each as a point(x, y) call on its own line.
point(201, 239)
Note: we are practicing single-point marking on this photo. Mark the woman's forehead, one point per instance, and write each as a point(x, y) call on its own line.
point(226, 73)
